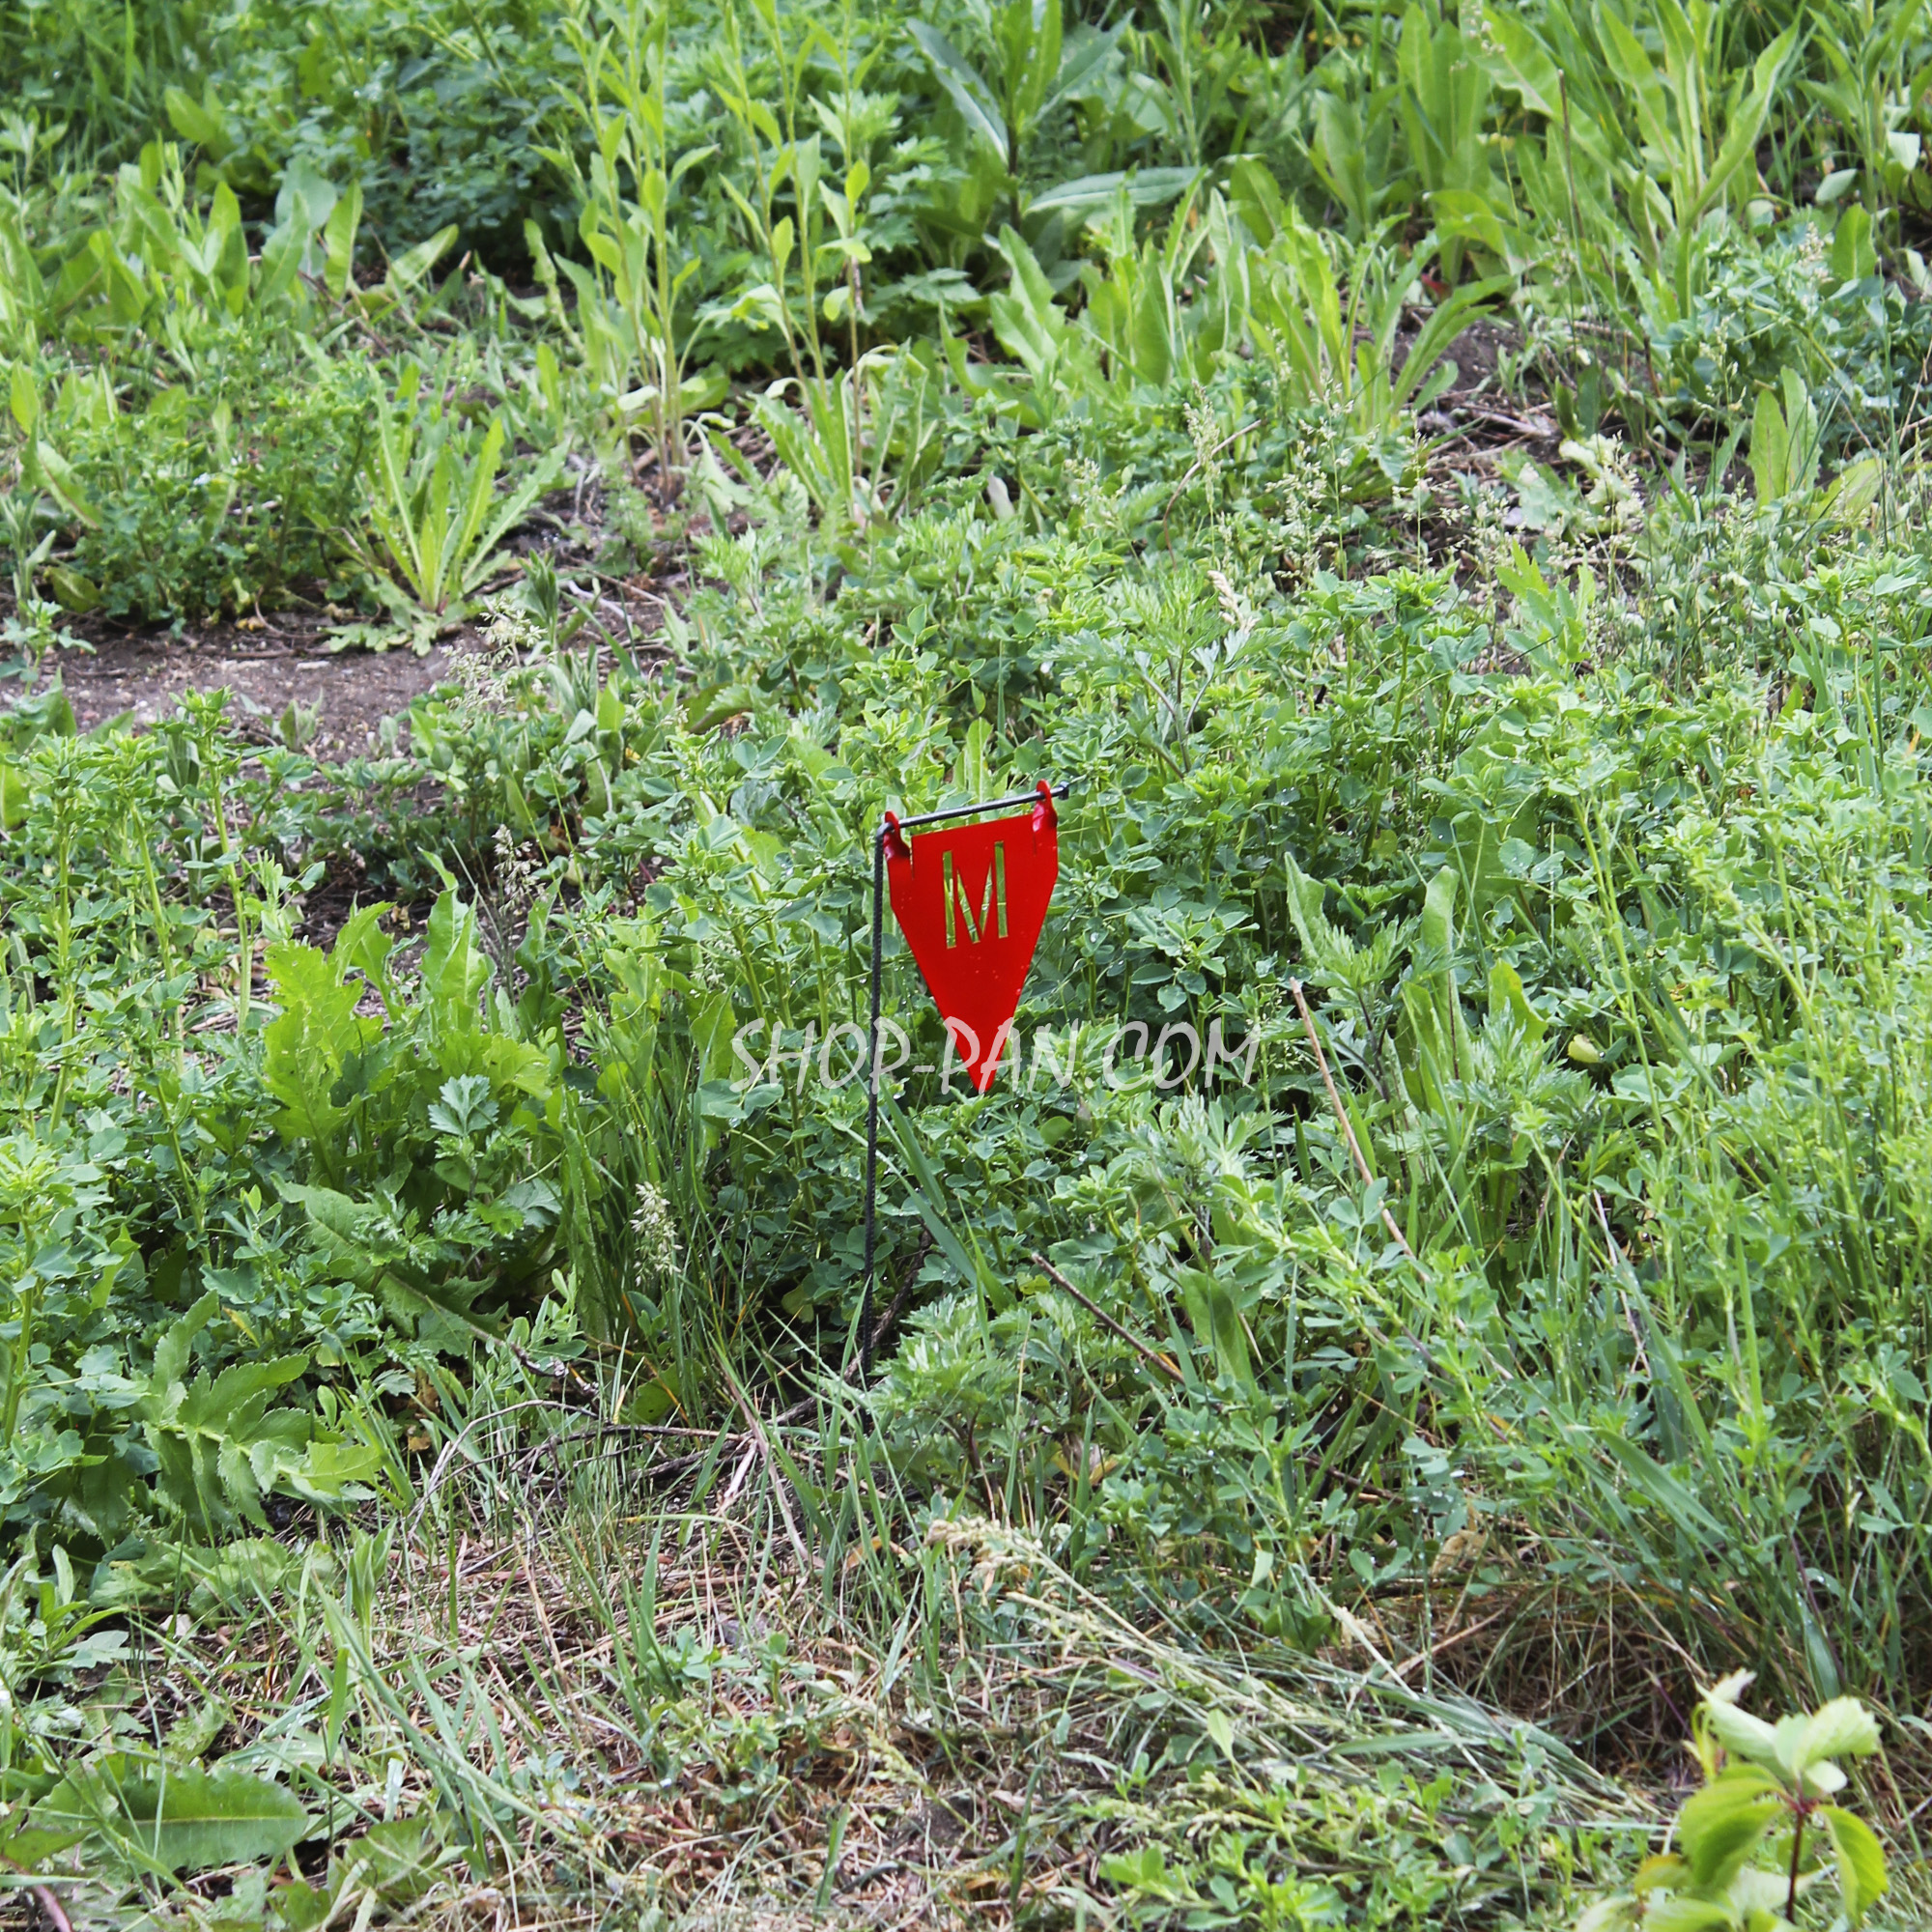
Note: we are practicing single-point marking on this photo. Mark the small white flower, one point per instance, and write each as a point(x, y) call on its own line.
point(656, 1232)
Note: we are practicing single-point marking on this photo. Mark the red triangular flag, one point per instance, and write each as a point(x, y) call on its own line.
point(971, 901)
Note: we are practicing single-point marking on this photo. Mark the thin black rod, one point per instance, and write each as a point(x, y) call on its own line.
point(873, 1104)
point(991, 805)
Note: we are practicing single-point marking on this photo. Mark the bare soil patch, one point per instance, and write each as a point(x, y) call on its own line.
point(287, 660)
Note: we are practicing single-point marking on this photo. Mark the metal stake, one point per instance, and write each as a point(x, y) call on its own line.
point(886, 827)
point(872, 1100)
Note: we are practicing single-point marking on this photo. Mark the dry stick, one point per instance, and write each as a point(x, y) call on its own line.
point(739, 1474)
point(1152, 1356)
point(1156, 1359)
point(450, 1449)
point(1436, 1650)
point(883, 1327)
point(778, 1476)
point(670, 1466)
point(543, 1615)
point(1538, 430)
point(1347, 1128)
point(56, 1914)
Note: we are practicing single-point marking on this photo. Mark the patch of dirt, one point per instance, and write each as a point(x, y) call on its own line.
point(145, 672)
point(1477, 352)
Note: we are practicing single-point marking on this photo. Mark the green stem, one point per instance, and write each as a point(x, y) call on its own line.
point(16, 1381)
point(64, 954)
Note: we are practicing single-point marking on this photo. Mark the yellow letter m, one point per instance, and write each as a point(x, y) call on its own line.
point(993, 900)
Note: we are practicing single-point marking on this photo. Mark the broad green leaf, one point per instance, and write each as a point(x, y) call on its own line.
point(403, 1853)
point(1516, 60)
point(1674, 1912)
point(1466, 215)
point(482, 561)
point(1661, 1871)
point(202, 126)
point(1215, 1317)
point(339, 239)
point(338, 1215)
point(225, 248)
point(1616, 1914)
point(1759, 1889)
point(42, 464)
point(1506, 995)
point(972, 780)
point(1746, 122)
point(1769, 447)
point(455, 968)
point(1327, 949)
point(307, 197)
point(1849, 496)
point(1027, 322)
point(963, 87)
point(305, 1045)
point(414, 264)
point(481, 491)
point(445, 1304)
point(1720, 1826)
point(1841, 1728)
point(1787, 1737)
point(1446, 321)
point(1032, 43)
point(1742, 1734)
point(1852, 257)
point(330, 1471)
point(502, 1061)
point(171, 1352)
point(281, 261)
point(1801, 424)
point(713, 1022)
point(1632, 64)
point(71, 590)
point(1085, 58)
point(362, 947)
point(1862, 1874)
point(26, 1848)
point(1434, 1041)
point(24, 397)
point(180, 1821)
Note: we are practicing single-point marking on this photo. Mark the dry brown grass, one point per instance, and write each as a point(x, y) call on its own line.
point(714, 1736)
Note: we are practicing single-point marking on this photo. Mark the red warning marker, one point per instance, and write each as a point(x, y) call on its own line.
point(971, 901)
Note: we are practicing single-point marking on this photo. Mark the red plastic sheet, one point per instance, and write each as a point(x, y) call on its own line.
point(971, 901)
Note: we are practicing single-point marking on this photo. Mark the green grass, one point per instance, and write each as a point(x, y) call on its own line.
point(595, 1711)
point(1446, 490)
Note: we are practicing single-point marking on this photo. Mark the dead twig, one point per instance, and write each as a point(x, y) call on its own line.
point(1152, 1357)
point(763, 1442)
point(1449, 1642)
point(50, 1906)
point(887, 1321)
point(1537, 429)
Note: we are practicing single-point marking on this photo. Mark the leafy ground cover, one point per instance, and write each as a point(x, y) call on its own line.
point(1432, 1320)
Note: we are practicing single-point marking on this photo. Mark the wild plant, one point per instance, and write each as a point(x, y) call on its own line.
point(1764, 1786)
point(633, 316)
point(434, 510)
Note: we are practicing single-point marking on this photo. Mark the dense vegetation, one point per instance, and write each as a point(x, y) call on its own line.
point(1446, 490)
